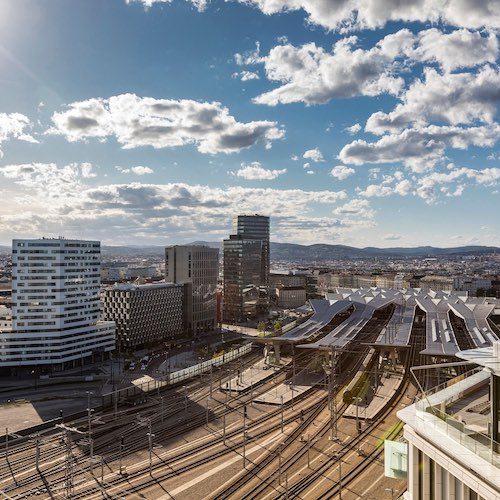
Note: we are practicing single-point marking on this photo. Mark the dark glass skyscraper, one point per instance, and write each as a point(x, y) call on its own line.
point(256, 227)
point(246, 268)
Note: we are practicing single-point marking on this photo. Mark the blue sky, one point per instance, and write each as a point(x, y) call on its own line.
point(153, 122)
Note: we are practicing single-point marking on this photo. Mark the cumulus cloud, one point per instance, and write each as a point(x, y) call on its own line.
point(346, 15)
point(313, 154)
point(419, 148)
point(162, 123)
point(392, 237)
point(248, 57)
point(48, 181)
point(356, 208)
point(256, 172)
point(353, 129)
point(15, 126)
point(455, 98)
point(342, 172)
point(312, 75)
point(124, 212)
point(430, 186)
point(199, 4)
point(138, 170)
point(245, 76)
point(458, 49)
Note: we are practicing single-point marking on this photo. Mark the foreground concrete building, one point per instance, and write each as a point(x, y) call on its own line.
point(145, 315)
point(197, 268)
point(454, 438)
point(55, 305)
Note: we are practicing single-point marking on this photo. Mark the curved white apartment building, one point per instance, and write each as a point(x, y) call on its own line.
point(55, 304)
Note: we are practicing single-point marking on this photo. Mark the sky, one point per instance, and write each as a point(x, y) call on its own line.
point(151, 122)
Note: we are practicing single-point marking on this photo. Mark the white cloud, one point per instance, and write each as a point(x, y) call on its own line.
point(312, 75)
point(455, 98)
point(458, 49)
point(392, 237)
point(356, 208)
point(348, 15)
point(420, 148)
point(430, 186)
point(87, 170)
point(138, 170)
point(13, 126)
point(353, 129)
point(199, 4)
point(342, 172)
point(294, 158)
point(162, 123)
point(245, 76)
point(306, 165)
point(255, 171)
point(343, 15)
point(50, 199)
point(249, 57)
point(53, 186)
point(310, 172)
point(313, 154)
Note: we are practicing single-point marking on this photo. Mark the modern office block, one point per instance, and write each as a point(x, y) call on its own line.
point(197, 267)
point(256, 227)
point(242, 278)
point(290, 297)
point(144, 314)
point(55, 304)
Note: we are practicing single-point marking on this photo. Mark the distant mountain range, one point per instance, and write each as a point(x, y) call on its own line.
point(322, 252)
point(310, 253)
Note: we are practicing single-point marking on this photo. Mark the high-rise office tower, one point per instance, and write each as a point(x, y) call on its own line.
point(256, 227)
point(55, 304)
point(197, 267)
point(242, 278)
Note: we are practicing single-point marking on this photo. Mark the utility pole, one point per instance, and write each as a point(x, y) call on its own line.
point(357, 400)
point(224, 426)
point(282, 413)
point(68, 480)
point(244, 447)
point(122, 447)
point(207, 411)
point(185, 402)
point(37, 453)
point(211, 370)
point(279, 462)
point(89, 427)
point(161, 399)
point(340, 478)
point(150, 445)
point(333, 399)
point(251, 385)
point(308, 451)
point(7, 444)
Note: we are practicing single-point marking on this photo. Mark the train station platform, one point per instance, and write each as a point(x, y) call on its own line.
point(291, 389)
point(398, 330)
point(255, 374)
point(389, 384)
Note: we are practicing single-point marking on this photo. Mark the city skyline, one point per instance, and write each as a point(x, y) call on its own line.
point(154, 122)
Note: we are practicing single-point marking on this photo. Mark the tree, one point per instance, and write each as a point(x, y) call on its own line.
point(277, 326)
point(261, 327)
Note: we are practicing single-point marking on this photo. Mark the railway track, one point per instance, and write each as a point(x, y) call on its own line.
point(239, 488)
point(137, 443)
